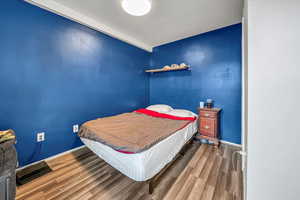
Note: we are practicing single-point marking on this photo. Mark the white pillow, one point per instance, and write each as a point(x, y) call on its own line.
point(160, 108)
point(182, 113)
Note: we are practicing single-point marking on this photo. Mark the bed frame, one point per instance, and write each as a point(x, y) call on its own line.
point(152, 183)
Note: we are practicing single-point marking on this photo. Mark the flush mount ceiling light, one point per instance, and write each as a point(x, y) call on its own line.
point(136, 7)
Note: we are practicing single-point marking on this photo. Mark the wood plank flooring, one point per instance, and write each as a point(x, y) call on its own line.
point(203, 173)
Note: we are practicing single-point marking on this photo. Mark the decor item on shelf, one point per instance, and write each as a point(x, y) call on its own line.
point(183, 65)
point(167, 67)
point(209, 103)
point(173, 67)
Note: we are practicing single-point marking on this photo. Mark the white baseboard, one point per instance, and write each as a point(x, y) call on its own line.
point(231, 144)
point(52, 157)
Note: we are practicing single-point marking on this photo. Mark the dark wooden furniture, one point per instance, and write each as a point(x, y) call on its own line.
point(209, 124)
point(8, 163)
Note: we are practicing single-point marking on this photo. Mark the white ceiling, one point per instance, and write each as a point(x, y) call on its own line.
point(168, 21)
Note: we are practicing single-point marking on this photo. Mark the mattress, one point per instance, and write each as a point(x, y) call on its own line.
point(144, 165)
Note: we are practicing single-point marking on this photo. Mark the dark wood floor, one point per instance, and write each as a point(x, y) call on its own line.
point(202, 173)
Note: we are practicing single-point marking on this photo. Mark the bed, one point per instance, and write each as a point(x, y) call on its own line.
point(143, 164)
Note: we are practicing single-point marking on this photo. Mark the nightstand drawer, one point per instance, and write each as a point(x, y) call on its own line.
point(208, 114)
point(208, 127)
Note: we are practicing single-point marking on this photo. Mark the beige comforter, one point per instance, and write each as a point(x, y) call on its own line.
point(130, 132)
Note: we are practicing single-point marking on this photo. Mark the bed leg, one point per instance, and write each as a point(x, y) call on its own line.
point(150, 187)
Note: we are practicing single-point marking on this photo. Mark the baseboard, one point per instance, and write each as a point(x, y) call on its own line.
point(231, 144)
point(52, 157)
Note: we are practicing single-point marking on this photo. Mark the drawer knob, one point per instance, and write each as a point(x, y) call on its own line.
point(206, 127)
point(206, 115)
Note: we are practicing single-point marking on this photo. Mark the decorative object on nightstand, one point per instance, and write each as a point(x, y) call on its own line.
point(201, 104)
point(209, 124)
point(209, 103)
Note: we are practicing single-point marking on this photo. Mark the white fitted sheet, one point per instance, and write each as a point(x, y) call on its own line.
point(144, 165)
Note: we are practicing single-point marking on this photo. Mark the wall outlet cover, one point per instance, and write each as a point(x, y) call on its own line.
point(75, 128)
point(40, 137)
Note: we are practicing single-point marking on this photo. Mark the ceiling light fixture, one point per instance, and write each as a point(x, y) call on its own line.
point(136, 7)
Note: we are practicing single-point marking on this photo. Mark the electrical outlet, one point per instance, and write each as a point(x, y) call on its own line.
point(40, 137)
point(75, 128)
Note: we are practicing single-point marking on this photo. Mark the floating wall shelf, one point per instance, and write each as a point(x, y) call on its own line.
point(167, 70)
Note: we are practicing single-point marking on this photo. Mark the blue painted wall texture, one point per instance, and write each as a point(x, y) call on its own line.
point(215, 58)
point(55, 73)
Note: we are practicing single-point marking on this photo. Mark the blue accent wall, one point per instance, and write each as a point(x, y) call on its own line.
point(55, 73)
point(215, 58)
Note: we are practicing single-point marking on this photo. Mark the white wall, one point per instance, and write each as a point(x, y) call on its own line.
point(245, 96)
point(273, 100)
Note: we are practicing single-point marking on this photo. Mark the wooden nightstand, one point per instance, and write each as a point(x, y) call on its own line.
point(208, 127)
